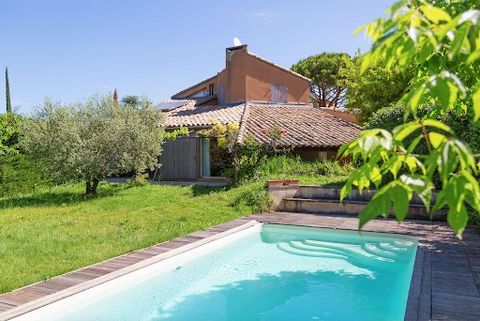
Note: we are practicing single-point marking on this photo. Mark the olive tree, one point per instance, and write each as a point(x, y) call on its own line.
point(441, 39)
point(92, 140)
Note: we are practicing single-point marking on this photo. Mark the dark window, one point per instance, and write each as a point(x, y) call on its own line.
point(279, 94)
point(210, 89)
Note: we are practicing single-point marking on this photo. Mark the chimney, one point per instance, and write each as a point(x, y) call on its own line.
point(229, 52)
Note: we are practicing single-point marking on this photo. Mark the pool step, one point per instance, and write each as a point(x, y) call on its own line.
point(352, 250)
point(354, 253)
point(375, 250)
point(286, 247)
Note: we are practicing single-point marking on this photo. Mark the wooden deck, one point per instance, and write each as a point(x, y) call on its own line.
point(445, 284)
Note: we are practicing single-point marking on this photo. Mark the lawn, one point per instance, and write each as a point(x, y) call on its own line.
point(57, 230)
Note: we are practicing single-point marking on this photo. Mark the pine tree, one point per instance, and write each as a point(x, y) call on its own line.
point(7, 92)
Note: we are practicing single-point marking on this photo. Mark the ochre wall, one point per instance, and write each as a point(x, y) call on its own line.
point(248, 78)
point(261, 75)
point(233, 78)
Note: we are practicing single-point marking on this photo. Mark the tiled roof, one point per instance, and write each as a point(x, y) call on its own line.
point(179, 94)
point(201, 116)
point(165, 105)
point(301, 126)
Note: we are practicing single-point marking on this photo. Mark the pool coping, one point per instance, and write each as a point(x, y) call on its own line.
point(83, 286)
point(424, 303)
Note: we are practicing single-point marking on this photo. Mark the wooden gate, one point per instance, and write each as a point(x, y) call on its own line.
point(179, 159)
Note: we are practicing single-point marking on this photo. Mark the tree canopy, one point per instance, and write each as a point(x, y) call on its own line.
point(328, 73)
point(375, 88)
point(441, 39)
point(95, 139)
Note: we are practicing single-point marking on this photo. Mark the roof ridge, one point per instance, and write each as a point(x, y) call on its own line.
point(339, 118)
point(243, 123)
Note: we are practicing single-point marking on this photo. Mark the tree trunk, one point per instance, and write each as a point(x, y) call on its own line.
point(91, 186)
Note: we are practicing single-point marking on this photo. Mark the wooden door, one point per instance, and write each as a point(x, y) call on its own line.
point(179, 159)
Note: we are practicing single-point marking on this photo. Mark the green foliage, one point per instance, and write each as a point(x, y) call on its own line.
point(329, 73)
point(466, 129)
point(226, 134)
point(95, 139)
point(256, 198)
point(322, 172)
point(386, 118)
point(309, 172)
point(9, 133)
point(223, 151)
point(174, 134)
point(132, 101)
point(20, 175)
point(375, 88)
point(442, 40)
point(249, 157)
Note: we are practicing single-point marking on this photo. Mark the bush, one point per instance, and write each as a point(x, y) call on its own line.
point(286, 166)
point(289, 166)
point(254, 197)
point(462, 124)
point(19, 174)
point(9, 133)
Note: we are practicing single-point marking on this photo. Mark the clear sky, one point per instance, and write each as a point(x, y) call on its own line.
point(71, 49)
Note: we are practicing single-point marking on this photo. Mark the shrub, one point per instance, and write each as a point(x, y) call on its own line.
point(9, 133)
point(287, 166)
point(254, 197)
point(463, 124)
point(19, 174)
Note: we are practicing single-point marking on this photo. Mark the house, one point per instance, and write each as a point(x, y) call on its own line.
point(257, 96)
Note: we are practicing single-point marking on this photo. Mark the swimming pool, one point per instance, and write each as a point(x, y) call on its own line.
point(265, 272)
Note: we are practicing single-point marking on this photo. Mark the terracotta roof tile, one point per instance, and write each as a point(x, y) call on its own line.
point(201, 116)
point(302, 126)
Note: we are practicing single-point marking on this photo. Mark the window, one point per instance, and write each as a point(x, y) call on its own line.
point(199, 94)
point(279, 94)
point(210, 90)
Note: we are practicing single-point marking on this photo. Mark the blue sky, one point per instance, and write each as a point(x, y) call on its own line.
point(71, 49)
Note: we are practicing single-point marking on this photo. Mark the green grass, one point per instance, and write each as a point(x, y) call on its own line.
point(310, 173)
point(57, 230)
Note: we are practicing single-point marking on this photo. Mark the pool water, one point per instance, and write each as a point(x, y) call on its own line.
point(272, 273)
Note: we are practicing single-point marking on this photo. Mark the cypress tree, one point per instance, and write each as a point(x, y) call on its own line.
point(7, 92)
point(115, 96)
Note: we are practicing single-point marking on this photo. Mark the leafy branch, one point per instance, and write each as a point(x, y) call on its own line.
point(442, 41)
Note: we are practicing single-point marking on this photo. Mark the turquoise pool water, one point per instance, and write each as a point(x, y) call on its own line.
point(275, 274)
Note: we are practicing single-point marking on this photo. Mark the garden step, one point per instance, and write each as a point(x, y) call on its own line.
point(330, 192)
point(348, 207)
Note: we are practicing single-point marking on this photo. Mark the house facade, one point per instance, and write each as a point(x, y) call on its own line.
point(249, 77)
point(256, 95)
